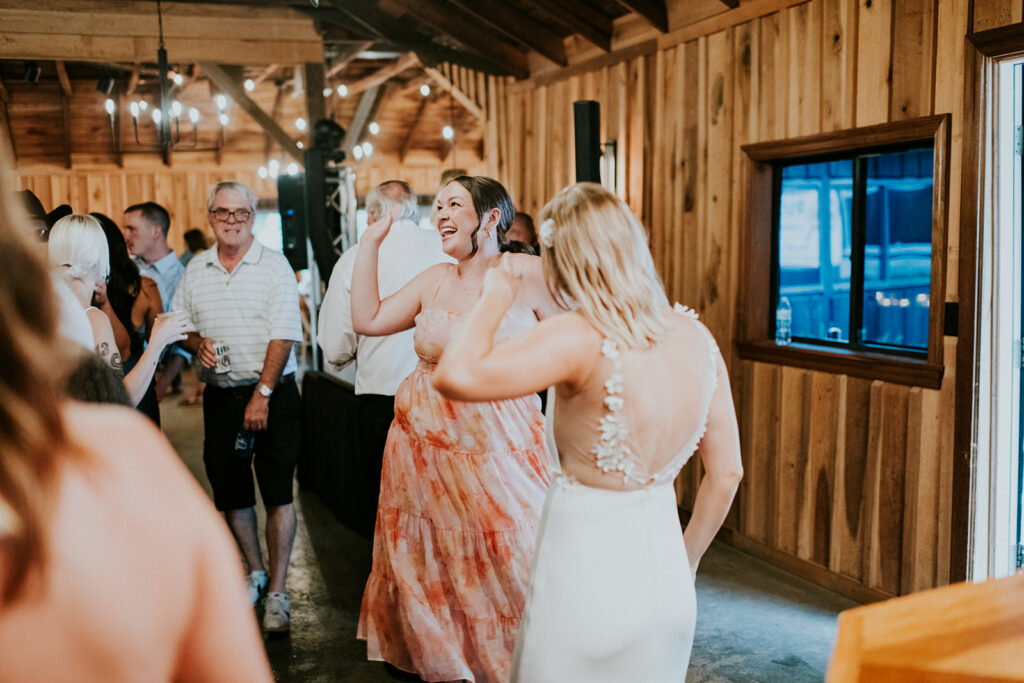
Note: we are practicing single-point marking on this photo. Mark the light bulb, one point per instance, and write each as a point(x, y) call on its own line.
point(367, 148)
point(175, 109)
point(250, 85)
point(223, 118)
point(274, 165)
point(134, 109)
point(262, 171)
point(293, 168)
point(447, 133)
point(343, 90)
point(143, 105)
point(157, 115)
point(357, 152)
point(109, 106)
point(178, 79)
point(300, 123)
point(299, 144)
point(193, 115)
point(374, 127)
point(424, 89)
point(222, 101)
point(327, 92)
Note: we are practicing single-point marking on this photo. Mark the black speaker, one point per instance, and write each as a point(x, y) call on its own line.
point(587, 116)
point(291, 202)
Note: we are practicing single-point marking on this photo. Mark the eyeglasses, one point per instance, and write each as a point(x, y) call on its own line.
point(240, 215)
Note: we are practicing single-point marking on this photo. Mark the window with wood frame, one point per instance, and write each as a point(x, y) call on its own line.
point(847, 231)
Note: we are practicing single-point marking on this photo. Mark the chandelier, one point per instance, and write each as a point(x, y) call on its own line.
point(167, 116)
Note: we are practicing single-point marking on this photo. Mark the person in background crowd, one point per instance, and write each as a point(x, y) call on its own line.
point(522, 231)
point(381, 362)
point(195, 242)
point(90, 588)
point(638, 385)
point(131, 303)
point(462, 483)
point(243, 300)
point(146, 227)
point(78, 252)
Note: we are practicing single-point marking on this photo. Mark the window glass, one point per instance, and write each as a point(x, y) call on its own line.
point(814, 248)
point(897, 252)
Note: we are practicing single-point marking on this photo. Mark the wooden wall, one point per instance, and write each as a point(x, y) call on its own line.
point(847, 480)
point(181, 191)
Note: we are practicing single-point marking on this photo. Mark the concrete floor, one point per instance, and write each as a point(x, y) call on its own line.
point(755, 622)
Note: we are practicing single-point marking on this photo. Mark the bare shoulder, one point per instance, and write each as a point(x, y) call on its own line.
point(572, 332)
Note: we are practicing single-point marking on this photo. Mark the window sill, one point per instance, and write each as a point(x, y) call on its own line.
point(918, 373)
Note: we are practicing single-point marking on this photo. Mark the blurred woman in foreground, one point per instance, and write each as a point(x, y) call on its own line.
point(113, 564)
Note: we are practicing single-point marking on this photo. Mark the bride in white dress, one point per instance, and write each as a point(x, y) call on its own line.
point(639, 385)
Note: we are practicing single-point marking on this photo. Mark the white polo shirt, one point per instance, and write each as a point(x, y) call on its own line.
point(244, 309)
point(381, 362)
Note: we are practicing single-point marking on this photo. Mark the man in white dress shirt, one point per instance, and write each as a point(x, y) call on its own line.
point(145, 231)
point(381, 362)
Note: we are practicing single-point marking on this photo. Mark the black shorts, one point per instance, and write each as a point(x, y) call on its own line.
point(274, 455)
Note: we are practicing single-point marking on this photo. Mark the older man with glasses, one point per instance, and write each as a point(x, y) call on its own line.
point(243, 301)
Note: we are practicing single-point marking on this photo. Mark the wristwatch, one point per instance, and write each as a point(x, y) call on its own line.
point(264, 390)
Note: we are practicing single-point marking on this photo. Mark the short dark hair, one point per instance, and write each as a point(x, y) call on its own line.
point(153, 213)
point(487, 194)
point(527, 220)
point(195, 240)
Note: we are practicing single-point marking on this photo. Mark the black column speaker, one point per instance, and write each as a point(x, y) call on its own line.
point(587, 116)
point(291, 202)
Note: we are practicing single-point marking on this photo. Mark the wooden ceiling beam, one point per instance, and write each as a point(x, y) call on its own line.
point(653, 11)
point(579, 17)
point(345, 57)
point(462, 98)
point(266, 73)
point(62, 76)
point(518, 26)
point(233, 88)
point(731, 4)
point(127, 31)
point(378, 23)
point(4, 96)
point(406, 61)
point(367, 105)
point(404, 150)
point(484, 43)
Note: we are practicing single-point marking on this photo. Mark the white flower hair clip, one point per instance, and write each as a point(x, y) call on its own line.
point(547, 233)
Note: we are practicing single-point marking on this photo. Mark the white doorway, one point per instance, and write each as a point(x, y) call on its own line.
point(995, 548)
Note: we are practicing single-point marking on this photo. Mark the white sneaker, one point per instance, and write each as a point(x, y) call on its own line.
point(277, 615)
point(256, 584)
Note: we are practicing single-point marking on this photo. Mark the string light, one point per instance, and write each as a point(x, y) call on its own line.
point(424, 89)
point(293, 168)
point(134, 109)
point(374, 127)
point(357, 152)
point(178, 79)
point(143, 105)
point(367, 149)
point(157, 115)
point(299, 144)
point(250, 85)
point(300, 123)
point(193, 115)
point(109, 105)
point(343, 91)
point(223, 118)
point(221, 101)
point(327, 92)
point(448, 132)
point(262, 171)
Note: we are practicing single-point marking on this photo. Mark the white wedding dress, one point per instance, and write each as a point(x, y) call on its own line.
point(611, 595)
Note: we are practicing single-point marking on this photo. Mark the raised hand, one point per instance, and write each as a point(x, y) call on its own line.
point(379, 229)
point(505, 276)
point(168, 328)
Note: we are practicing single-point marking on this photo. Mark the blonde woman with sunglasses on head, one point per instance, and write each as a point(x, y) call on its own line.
point(639, 385)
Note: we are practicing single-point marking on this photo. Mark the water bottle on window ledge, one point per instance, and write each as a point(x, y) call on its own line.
point(783, 322)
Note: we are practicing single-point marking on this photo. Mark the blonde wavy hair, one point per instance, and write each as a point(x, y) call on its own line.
point(596, 259)
point(33, 439)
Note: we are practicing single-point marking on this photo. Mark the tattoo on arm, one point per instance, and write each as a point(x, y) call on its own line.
point(116, 362)
point(103, 350)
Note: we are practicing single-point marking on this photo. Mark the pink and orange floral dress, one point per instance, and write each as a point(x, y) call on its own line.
point(462, 488)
